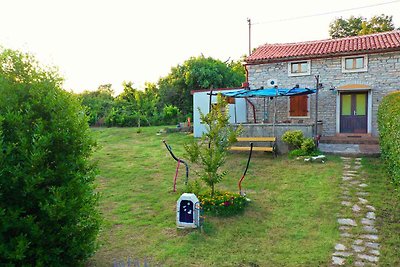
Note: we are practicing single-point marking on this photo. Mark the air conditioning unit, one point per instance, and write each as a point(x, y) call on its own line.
point(272, 83)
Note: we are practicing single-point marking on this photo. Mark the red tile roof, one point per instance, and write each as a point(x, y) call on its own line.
point(373, 43)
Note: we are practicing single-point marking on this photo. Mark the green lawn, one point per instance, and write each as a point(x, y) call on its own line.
point(291, 220)
point(386, 199)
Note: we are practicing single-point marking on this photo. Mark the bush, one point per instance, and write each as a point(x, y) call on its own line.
point(389, 134)
point(308, 146)
point(293, 138)
point(223, 203)
point(171, 114)
point(48, 214)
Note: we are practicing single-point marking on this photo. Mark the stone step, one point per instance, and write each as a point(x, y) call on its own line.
point(367, 140)
point(353, 150)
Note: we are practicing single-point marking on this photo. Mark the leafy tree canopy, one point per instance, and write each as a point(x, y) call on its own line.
point(354, 26)
point(98, 103)
point(198, 73)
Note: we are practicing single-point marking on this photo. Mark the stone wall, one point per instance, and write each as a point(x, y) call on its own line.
point(382, 77)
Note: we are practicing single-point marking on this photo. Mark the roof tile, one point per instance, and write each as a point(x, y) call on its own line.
point(331, 47)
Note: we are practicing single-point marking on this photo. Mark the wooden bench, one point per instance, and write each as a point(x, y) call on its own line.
point(254, 140)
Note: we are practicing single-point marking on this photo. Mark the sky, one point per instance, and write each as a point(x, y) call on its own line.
point(95, 42)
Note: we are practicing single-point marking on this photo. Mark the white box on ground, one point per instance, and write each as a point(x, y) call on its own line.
point(187, 211)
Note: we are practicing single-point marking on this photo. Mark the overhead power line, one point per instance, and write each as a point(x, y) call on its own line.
point(325, 13)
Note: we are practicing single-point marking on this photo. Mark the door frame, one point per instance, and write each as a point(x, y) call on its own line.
point(369, 108)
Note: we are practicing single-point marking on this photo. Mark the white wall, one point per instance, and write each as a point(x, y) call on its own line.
point(201, 100)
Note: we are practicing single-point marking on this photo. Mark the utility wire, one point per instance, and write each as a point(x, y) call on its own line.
point(325, 13)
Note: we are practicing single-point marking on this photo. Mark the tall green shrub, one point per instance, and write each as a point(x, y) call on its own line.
point(389, 133)
point(48, 214)
point(210, 153)
point(293, 138)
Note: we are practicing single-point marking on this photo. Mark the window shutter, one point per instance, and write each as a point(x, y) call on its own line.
point(298, 106)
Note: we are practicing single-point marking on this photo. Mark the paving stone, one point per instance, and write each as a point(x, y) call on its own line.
point(363, 185)
point(366, 221)
point(368, 258)
point(354, 182)
point(362, 194)
point(370, 207)
point(350, 174)
point(358, 248)
point(344, 228)
point(373, 245)
point(345, 234)
point(342, 254)
point(346, 203)
point(357, 159)
point(371, 237)
point(347, 178)
point(375, 252)
point(362, 200)
point(356, 208)
point(345, 158)
point(350, 222)
point(370, 229)
point(371, 215)
point(352, 171)
point(338, 260)
point(359, 264)
point(340, 247)
point(357, 166)
point(358, 242)
point(346, 192)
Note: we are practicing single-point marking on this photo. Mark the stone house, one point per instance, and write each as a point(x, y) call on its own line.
point(355, 73)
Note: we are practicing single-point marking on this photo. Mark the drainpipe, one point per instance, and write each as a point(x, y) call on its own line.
point(248, 101)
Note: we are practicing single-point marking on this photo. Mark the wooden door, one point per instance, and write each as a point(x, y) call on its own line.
point(353, 112)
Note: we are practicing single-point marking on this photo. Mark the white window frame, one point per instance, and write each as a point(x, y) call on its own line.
point(300, 117)
point(364, 69)
point(308, 72)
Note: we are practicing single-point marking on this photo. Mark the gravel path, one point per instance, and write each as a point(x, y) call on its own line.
point(359, 239)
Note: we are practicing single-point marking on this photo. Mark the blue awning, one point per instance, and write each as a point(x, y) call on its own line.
point(270, 92)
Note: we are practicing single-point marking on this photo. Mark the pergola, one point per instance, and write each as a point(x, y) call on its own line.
point(271, 92)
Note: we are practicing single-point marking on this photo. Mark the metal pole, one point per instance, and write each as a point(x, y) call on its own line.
point(264, 119)
point(316, 111)
point(273, 124)
point(249, 22)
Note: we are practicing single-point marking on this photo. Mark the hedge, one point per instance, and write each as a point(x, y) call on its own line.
point(48, 206)
point(389, 134)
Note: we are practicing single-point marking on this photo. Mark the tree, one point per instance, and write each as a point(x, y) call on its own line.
point(210, 152)
point(194, 74)
point(133, 106)
point(48, 209)
point(376, 24)
point(98, 103)
point(360, 26)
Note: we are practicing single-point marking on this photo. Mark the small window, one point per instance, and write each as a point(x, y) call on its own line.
point(298, 106)
point(299, 68)
point(354, 64)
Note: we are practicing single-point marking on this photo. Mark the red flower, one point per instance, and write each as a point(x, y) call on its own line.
point(227, 203)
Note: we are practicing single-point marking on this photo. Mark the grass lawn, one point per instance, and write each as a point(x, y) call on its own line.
point(386, 199)
point(291, 220)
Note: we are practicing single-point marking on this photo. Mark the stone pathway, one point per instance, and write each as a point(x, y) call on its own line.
point(359, 240)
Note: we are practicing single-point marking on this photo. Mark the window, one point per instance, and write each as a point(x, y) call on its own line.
point(298, 106)
point(354, 64)
point(299, 68)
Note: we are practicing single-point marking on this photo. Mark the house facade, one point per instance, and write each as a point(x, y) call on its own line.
point(355, 73)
